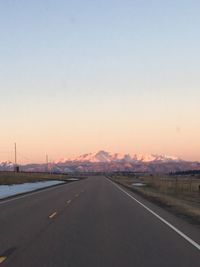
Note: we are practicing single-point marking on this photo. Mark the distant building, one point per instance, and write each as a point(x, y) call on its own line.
point(16, 168)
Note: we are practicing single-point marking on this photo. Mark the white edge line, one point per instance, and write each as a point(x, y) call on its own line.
point(26, 194)
point(195, 244)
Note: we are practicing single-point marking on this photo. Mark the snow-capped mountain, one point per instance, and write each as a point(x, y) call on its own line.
point(104, 161)
point(104, 156)
point(6, 165)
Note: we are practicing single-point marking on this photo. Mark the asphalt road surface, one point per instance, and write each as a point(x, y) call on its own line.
point(93, 223)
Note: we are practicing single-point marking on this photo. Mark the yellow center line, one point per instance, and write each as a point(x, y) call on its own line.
point(53, 215)
point(2, 259)
point(68, 201)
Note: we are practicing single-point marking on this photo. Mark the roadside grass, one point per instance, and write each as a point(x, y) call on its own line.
point(7, 178)
point(179, 194)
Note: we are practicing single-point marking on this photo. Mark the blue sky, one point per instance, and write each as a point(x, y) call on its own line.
point(78, 76)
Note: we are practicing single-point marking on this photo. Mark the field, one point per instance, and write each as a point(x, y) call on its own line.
point(7, 178)
point(178, 193)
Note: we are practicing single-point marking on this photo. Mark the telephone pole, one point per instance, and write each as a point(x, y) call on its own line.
point(15, 154)
point(47, 162)
point(16, 168)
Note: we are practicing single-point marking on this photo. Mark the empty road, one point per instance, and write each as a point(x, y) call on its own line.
point(93, 223)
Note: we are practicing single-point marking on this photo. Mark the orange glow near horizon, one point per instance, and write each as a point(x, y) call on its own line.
point(69, 144)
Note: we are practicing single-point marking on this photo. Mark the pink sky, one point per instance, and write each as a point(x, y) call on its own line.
point(118, 76)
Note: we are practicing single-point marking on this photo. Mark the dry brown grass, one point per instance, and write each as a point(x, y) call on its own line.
point(179, 194)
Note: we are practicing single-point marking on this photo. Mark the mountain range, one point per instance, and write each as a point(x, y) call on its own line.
point(106, 157)
point(104, 161)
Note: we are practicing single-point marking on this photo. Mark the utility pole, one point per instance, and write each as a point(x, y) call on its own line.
point(16, 168)
point(15, 154)
point(47, 162)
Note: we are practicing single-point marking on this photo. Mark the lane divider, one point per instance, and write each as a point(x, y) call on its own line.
point(53, 215)
point(187, 238)
point(2, 259)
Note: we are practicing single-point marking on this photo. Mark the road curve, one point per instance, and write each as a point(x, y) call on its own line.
point(92, 223)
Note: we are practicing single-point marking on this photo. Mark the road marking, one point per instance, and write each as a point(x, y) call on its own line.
point(77, 195)
point(195, 244)
point(53, 215)
point(69, 201)
point(2, 259)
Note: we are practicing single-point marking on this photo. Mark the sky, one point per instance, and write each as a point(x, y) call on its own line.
point(82, 76)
